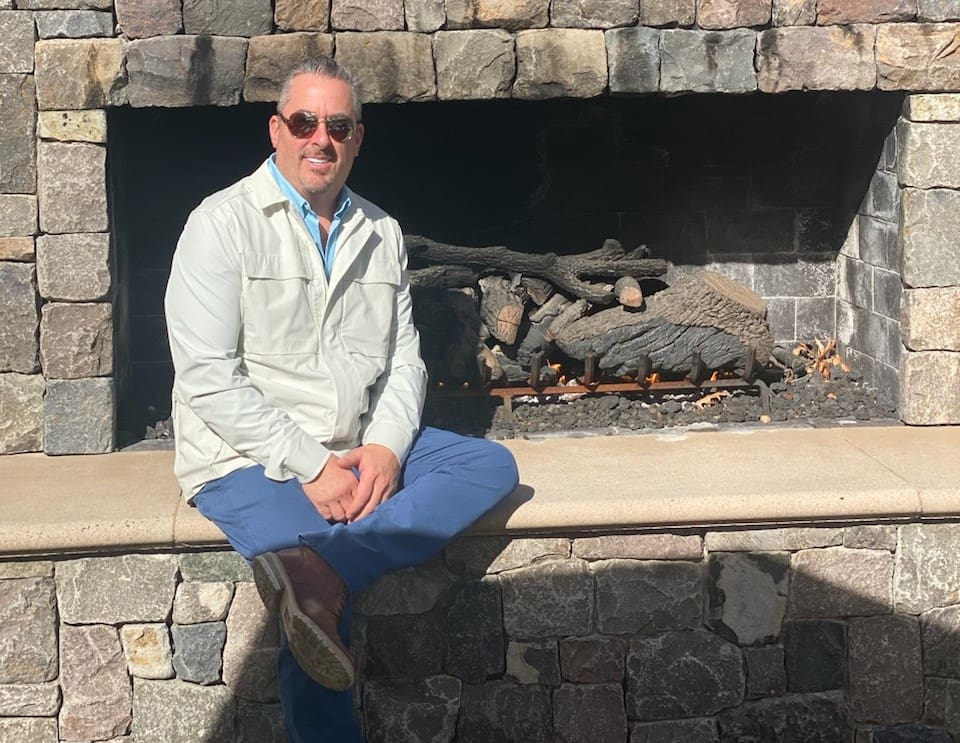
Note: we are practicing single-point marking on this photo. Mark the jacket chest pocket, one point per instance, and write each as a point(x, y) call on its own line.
point(277, 310)
point(369, 319)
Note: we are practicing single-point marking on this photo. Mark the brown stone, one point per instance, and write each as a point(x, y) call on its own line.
point(73, 126)
point(29, 700)
point(17, 249)
point(139, 19)
point(393, 66)
point(885, 669)
point(914, 56)
point(79, 73)
point(33, 729)
point(930, 319)
point(76, 340)
point(593, 13)
point(65, 4)
point(840, 582)
point(793, 59)
point(932, 107)
point(640, 547)
point(21, 413)
point(871, 537)
point(474, 64)
point(18, 304)
point(668, 12)
point(930, 388)
point(147, 650)
point(367, 15)
point(865, 11)
point(719, 14)
point(16, 42)
point(26, 568)
point(72, 187)
point(591, 660)
point(511, 15)
point(28, 631)
point(487, 555)
point(554, 63)
point(74, 268)
point(18, 148)
point(270, 59)
point(773, 540)
point(249, 656)
point(302, 15)
point(794, 12)
point(18, 215)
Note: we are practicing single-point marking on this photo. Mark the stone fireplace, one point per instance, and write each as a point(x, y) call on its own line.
point(809, 150)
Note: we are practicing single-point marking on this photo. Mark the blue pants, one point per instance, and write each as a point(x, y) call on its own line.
point(446, 484)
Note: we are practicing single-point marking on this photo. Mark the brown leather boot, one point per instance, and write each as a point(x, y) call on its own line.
point(310, 596)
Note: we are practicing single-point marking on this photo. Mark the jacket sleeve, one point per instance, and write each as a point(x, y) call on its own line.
point(203, 311)
point(396, 400)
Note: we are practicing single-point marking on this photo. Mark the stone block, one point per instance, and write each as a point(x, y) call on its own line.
point(941, 703)
point(633, 57)
point(809, 275)
point(73, 24)
point(17, 249)
point(592, 660)
point(393, 66)
point(882, 200)
point(702, 730)
point(76, 340)
point(26, 568)
point(851, 241)
point(910, 56)
point(16, 42)
point(79, 73)
point(886, 670)
point(782, 318)
point(260, 723)
point(35, 730)
point(940, 630)
point(177, 71)
point(766, 671)
point(249, 656)
point(17, 131)
point(793, 58)
point(594, 13)
point(227, 17)
point(394, 647)
point(115, 590)
point(720, 14)
point(880, 242)
point(855, 281)
point(502, 710)
point(147, 650)
point(682, 674)
point(64, 4)
point(865, 11)
point(472, 631)
point(29, 700)
point(72, 187)
point(533, 663)
point(816, 317)
point(413, 590)
point(927, 107)
point(607, 718)
point(366, 15)
point(197, 602)
point(927, 575)
point(488, 555)
point(28, 631)
point(555, 63)
point(807, 717)
point(816, 230)
point(270, 58)
point(18, 305)
point(639, 547)
point(794, 12)
point(938, 10)
point(73, 126)
point(931, 220)
point(511, 15)
point(815, 655)
point(707, 62)
point(748, 595)
point(197, 651)
point(840, 582)
point(178, 712)
point(303, 15)
point(929, 154)
point(931, 319)
point(74, 268)
point(139, 20)
point(424, 16)
point(773, 540)
point(668, 12)
point(21, 413)
point(214, 567)
point(411, 710)
point(645, 597)
point(551, 599)
point(474, 64)
point(870, 537)
point(766, 231)
point(97, 696)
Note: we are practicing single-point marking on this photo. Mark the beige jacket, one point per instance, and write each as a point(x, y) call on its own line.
point(275, 364)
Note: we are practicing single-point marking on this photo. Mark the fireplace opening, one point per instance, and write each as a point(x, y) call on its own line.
point(763, 189)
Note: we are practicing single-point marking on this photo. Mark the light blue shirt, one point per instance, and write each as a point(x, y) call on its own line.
point(310, 218)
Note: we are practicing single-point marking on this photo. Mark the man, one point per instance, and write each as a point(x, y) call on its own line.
point(298, 393)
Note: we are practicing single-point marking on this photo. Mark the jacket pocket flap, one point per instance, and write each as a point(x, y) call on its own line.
point(274, 266)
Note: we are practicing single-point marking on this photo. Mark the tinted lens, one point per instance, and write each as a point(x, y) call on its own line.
point(302, 124)
point(339, 128)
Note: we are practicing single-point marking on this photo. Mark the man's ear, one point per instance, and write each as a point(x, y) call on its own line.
point(274, 127)
point(358, 137)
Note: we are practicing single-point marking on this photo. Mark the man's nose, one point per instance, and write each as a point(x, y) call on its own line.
point(320, 137)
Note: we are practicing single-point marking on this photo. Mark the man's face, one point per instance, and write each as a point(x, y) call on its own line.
point(317, 165)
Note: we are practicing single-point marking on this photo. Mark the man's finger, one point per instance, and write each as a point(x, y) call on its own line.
point(362, 494)
point(350, 460)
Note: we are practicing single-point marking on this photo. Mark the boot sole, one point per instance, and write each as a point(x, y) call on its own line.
point(316, 652)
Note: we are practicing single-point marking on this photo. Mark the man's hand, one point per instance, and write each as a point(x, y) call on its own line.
point(379, 475)
point(333, 490)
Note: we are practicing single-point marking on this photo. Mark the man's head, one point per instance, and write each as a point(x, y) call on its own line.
point(317, 131)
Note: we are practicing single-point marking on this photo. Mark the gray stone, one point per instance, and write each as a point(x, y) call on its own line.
point(393, 66)
point(29, 700)
point(841, 582)
point(794, 12)
point(782, 318)
point(718, 14)
point(938, 10)
point(882, 200)
point(249, 656)
point(424, 710)
point(501, 710)
point(816, 231)
point(879, 242)
point(367, 15)
point(927, 107)
point(607, 718)
point(79, 73)
point(72, 187)
point(929, 154)
point(77, 417)
point(910, 57)
point(21, 416)
point(802, 718)
point(635, 596)
point(594, 13)
point(941, 641)
point(214, 567)
point(752, 231)
point(886, 670)
point(303, 15)
point(472, 632)
point(18, 215)
point(73, 126)
point(73, 24)
point(35, 730)
point(766, 671)
point(474, 64)
point(18, 332)
point(552, 599)
point(260, 723)
point(855, 281)
point(707, 62)
point(816, 317)
point(633, 56)
point(748, 595)
point(28, 631)
point(511, 15)
point(16, 42)
point(639, 547)
point(486, 555)
point(533, 663)
point(227, 17)
point(197, 651)
point(927, 574)
point(147, 650)
point(197, 602)
point(773, 540)
point(74, 268)
point(703, 730)
point(176, 71)
point(592, 660)
point(930, 388)
point(864, 11)
point(668, 12)
point(931, 219)
point(931, 319)
point(97, 696)
point(887, 293)
point(554, 63)
point(941, 703)
point(178, 712)
point(411, 591)
point(76, 340)
point(682, 674)
point(114, 590)
point(425, 16)
point(26, 568)
point(816, 653)
point(811, 275)
point(870, 537)
point(396, 646)
point(138, 19)
point(912, 733)
point(270, 58)
point(791, 58)
point(17, 249)
point(17, 132)
point(65, 4)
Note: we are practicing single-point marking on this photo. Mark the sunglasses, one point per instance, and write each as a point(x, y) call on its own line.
point(303, 124)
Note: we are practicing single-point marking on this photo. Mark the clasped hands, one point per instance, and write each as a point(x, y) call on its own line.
point(339, 495)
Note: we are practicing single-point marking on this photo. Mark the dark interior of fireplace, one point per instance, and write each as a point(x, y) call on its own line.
point(697, 179)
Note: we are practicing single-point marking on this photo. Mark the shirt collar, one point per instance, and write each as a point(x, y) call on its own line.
point(343, 198)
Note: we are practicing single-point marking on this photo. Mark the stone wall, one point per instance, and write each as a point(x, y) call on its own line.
point(64, 62)
point(839, 633)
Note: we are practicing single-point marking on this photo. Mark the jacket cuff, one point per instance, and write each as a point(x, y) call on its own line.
point(396, 439)
point(304, 461)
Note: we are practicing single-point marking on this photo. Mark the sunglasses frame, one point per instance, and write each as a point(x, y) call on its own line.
point(313, 121)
